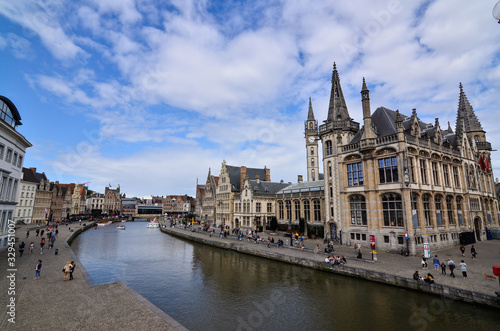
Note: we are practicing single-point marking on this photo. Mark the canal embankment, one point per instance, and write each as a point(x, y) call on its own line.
point(391, 269)
point(51, 303)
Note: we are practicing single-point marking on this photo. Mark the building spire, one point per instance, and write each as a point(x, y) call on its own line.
point(310, 115)
point(337, 110)
point(466, 113)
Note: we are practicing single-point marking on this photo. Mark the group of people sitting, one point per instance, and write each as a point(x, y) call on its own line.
point(335, 260)
point(429, 279)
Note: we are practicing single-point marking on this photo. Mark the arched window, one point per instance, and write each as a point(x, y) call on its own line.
point(312, 151)
point(393, 210)
point(317, 210)
point(426, 198)
point(307, 211)
point(288, 209)
point(312, 162)
point(297, 209)
point(459, 211)
point(280, 210)
point(449, 209)
point(358, 209)
point(439, 209)
point(329, 150)
point(313, 175)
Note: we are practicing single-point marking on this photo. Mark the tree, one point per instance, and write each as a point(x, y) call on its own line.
point(273, 224)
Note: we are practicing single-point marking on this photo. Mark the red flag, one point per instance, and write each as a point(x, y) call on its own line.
point(481, 162)
point(487, 164)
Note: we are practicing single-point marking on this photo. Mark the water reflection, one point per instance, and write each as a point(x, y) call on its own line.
point(207, 288)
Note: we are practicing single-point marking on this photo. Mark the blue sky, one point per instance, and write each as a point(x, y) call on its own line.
point(151, 94)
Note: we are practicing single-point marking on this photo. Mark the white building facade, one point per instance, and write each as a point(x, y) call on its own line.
point(12, 149)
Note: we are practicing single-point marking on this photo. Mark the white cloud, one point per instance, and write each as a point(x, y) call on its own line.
point(234, 85)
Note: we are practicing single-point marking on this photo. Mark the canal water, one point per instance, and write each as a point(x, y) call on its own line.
point(206, 288)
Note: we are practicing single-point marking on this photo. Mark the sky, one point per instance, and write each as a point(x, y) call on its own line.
point(149, 95)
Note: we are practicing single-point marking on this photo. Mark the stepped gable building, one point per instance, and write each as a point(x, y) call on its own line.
point(56, 205)
point(67, 197)
point(255, 205)
point(399, 176)
point(198, 207)
point(13, 146)
point(112, 200)
point(43, 197)
point(207, 213)
point(231, 180)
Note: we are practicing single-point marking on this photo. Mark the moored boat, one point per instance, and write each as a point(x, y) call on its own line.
point(153, 224)
point(121, 227)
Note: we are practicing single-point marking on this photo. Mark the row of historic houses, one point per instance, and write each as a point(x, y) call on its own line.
point(395, 181)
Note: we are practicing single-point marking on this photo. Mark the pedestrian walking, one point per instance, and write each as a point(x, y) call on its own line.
point(462, 249)
point(21, 249)
point(32, 245)
point(436, 263)
point(473, 252)
point(42, 243)
point(463, 268)
point(451, 265)
point(41, 233)
point(443, 268)
point(38, 268)
point(37, 231)
point(72, 268)
point(66, 270)
point(27, 234)
point(424, 262)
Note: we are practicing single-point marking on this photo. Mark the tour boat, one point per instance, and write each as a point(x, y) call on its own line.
point(121, 227)
point(153, 224)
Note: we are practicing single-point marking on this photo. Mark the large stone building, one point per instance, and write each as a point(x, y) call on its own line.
point(399, 177)
point(205, 199)
point(230, 183)
point(112, 200)
point(302, 201)
point(43, 198)
point(255, 205)
point(12, 149)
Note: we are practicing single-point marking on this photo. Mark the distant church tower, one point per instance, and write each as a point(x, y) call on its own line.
point(312, 137)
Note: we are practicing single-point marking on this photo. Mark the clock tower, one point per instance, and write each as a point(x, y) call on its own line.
point(312, 138)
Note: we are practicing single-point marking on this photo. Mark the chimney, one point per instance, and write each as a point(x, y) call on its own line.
point(243, 174)
point(268, 174)
point(299, 179)
point(257, 178)
point(33, 169)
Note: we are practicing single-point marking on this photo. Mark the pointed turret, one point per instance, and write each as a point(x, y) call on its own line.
point(310, 114)
point(367, 115)
point(337, 110)
point(466, 112)
point(467, 123)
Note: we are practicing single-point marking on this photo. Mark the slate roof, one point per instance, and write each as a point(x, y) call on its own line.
point(29, 176)
point(235, 175)
point(384, 120)
point(264, 187)
point(317, 185)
